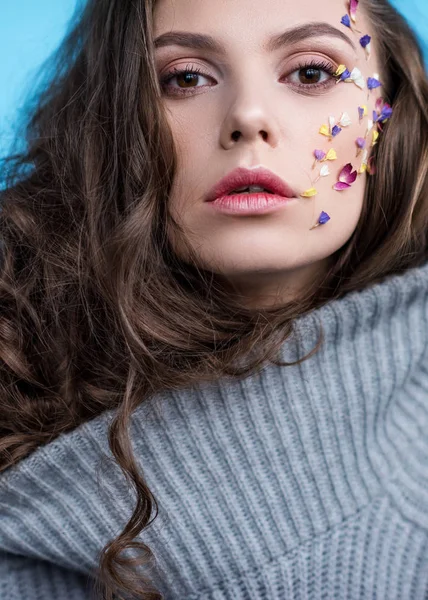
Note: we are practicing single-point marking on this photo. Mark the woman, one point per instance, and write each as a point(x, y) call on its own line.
point(255, 363)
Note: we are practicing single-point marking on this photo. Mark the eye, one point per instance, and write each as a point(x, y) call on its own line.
point(188, 77)
point(309, 75)
point(309, 78)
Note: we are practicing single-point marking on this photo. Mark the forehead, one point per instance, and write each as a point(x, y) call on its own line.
point(246, 17)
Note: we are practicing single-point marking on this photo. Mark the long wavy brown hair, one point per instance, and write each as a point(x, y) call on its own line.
point(97, 313)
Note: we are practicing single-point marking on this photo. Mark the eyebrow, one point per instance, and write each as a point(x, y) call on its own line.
point(293, 35)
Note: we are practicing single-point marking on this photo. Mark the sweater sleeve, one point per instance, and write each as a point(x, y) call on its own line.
point(23, 578)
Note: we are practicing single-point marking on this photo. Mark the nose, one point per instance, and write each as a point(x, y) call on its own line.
point(251, 119)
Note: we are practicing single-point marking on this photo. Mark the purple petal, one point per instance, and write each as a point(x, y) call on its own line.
point(361, 142)
point(319, 154)
point(386, 113)
point(323, 218)
point(361, 112)
point(341, 185)
point(345, 20)
point(373, 83)
point(346, 73)
point(365, 40)
point(336, 129)
point(375, 116)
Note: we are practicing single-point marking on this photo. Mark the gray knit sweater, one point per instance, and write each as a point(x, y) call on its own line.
point(304, 482)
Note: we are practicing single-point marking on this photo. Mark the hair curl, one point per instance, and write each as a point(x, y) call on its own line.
point(97, 312)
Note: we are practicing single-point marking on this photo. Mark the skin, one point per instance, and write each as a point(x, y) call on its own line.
point(267, 259)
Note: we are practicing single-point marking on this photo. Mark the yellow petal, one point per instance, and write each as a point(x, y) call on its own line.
point(363, 168)
point(340, 69)
point(331, 154)
point(365, 113)
point(309, 193)
point(324, 130)
point(375, 136)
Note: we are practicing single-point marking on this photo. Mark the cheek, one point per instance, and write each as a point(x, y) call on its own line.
point(309, 138)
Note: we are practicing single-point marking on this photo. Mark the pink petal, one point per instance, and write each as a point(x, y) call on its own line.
point(352, 177)
point(353, 7)
point(340, 185)
point(345, 172)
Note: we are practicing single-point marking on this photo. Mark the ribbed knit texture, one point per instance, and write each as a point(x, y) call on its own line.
point(305, 482)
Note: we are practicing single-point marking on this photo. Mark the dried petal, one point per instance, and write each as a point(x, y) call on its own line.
point(345, 120)
point(331, 123)
point(363, 166)
point(336, 130)
point(324, 171)
point(319, 154)
point(345, 20)
point(365, 40)
point(375, 135)
point(331, 155)
point(341, 185)
point(322, 219)
point(346, 175)
point(309, 193)
point(362, 112)
point(361, 142)
point(353, 5)
point(385, 113)
point(373, 83)
point(340, 69)
point(325, 130)
point(357, 77)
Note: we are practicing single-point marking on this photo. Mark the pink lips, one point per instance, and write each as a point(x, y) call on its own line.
point(241, 177)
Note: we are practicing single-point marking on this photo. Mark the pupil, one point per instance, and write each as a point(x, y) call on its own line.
point(311, 75)
point(188, 77)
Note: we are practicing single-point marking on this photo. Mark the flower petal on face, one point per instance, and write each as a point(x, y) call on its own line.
point(363, 167)
point(373, 83)
point(375, 135)
point(331, 122)
point(346, 175)
point(365, 40)
point(362, 111)
point(353, 5)
point(345, 20)
point(309, 193)
point(341, 185)
point(331, 154)
point(361, 142)
point(323, 218)
point(369, 127)
point(340, 69)
point(319, 154)
point(324, 171)
point(345, 120)
point(357, 77)
point(345, 75)
point(325, 130)
point(336, 130)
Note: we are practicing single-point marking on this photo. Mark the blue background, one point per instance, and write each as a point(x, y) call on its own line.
point(31, 29)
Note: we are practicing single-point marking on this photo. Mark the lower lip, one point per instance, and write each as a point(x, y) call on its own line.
point(249, 204)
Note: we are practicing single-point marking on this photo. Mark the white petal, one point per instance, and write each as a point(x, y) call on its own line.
point(324, 171)
point(345, 120)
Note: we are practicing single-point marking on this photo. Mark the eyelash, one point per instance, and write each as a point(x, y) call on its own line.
point(316, 65)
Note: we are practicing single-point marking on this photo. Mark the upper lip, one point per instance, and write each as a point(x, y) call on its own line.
point(241, 176)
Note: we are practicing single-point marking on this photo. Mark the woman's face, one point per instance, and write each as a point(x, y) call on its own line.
point(253, 106)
